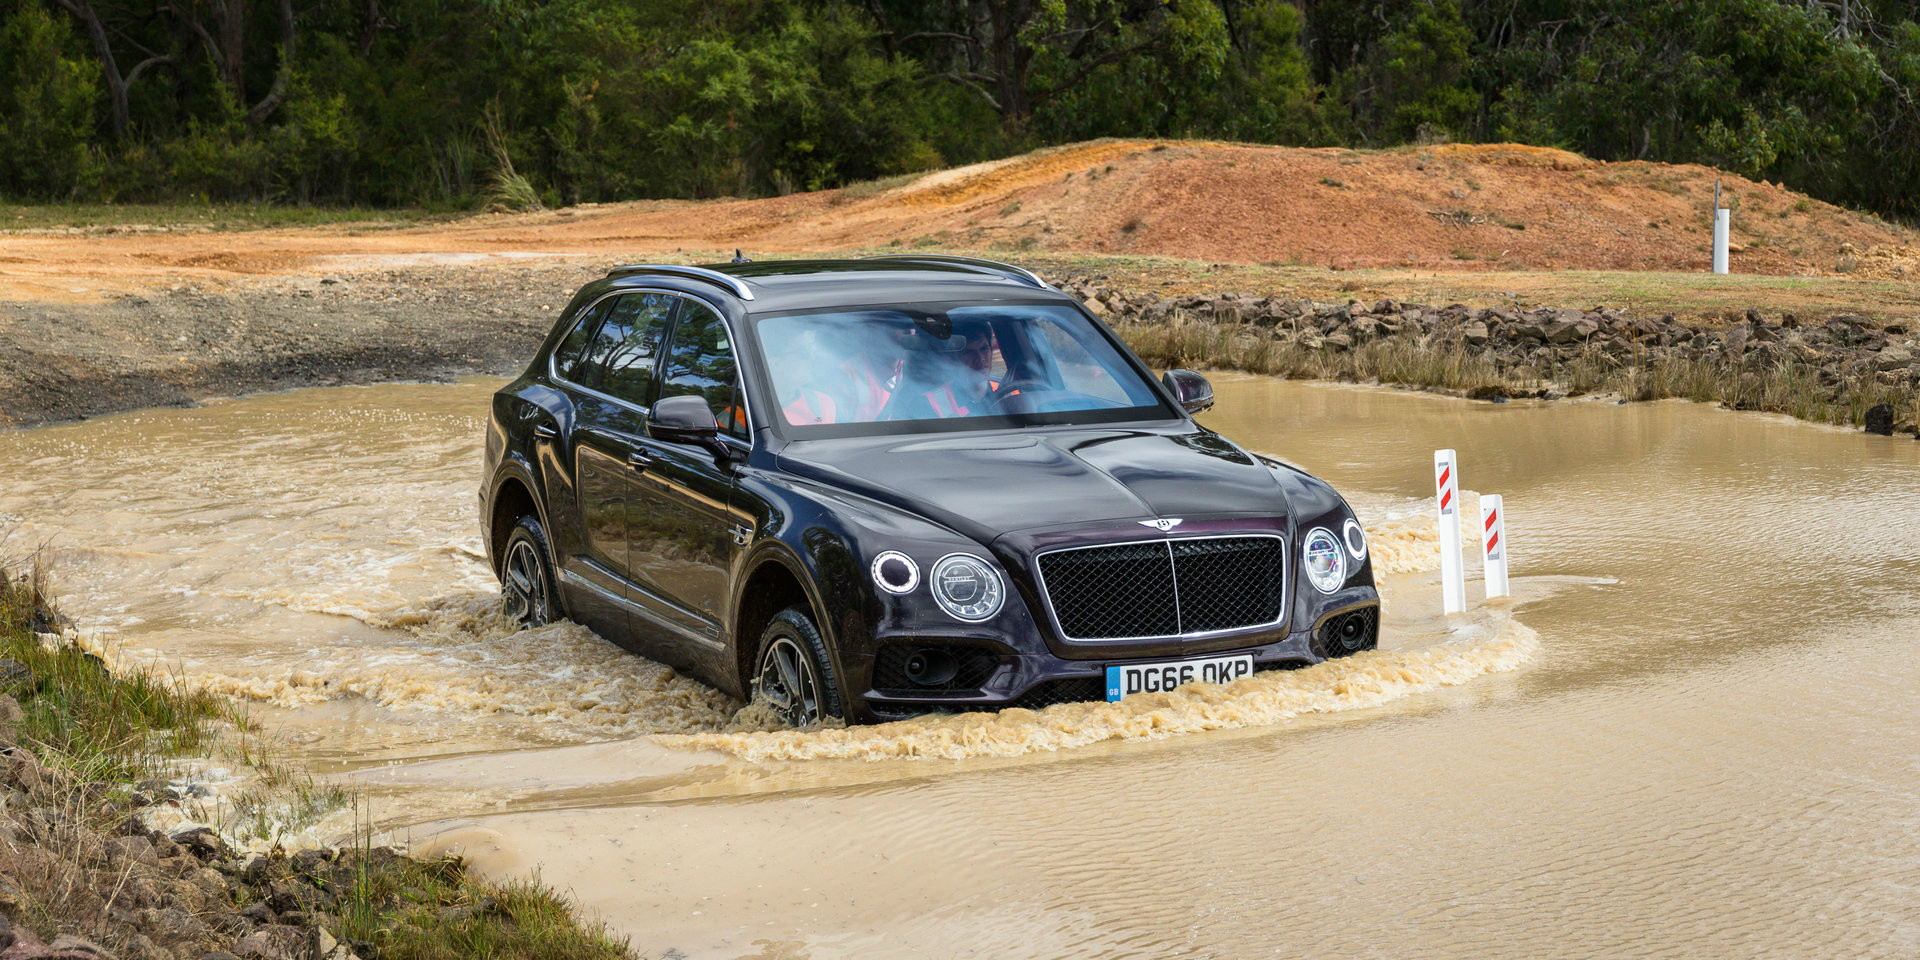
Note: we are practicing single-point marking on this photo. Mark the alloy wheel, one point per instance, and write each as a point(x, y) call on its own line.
point(524, 587)
point(789, 684)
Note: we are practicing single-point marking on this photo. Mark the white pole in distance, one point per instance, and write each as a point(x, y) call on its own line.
point(1493, 540)
point(1446, 483)
point(1722, 226)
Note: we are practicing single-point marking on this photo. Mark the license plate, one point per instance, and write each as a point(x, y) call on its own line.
point(1135, 678)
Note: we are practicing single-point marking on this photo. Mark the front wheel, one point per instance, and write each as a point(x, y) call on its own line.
point(526, 575)
point(795, 675)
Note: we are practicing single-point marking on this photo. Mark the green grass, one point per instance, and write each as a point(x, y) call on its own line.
point(437, 910)
point(83, 718)
point(204, 216)
point(97, 727)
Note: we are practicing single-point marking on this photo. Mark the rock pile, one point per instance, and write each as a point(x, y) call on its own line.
point(139, 894)
point(1842, 349)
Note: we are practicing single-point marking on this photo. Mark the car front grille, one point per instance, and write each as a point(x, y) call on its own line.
point(1166, 588)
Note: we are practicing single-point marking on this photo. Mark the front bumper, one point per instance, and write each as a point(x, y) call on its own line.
point(1036, 680)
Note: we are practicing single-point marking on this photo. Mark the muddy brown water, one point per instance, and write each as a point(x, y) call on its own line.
point(1693, 731)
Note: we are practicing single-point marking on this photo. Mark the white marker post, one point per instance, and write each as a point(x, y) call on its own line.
point(1722, 226)
point(1493, 541)
point(1446, 483)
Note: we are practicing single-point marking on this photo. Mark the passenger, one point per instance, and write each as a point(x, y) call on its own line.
point(811, 402)
point(965, 383)
point(870, 372)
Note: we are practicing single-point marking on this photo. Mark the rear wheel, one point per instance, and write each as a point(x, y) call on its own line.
point(795, 675)
point(526, 575)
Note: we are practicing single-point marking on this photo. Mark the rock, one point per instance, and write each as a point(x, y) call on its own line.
point(123, 850)
point(1487, 392)
point(311, 862)
point(275, 942)
point(1338, 341)
point(164, 848)
point(202, 842)
point(325, 947)
point(15, 675)
point(254, 870)
point(10, 712)
point(1570, 330)
point(218, 955)
point(1879, 419)
point(1529, 330)
point(1735, 345)
point(1476, 333)
point(258, 912)
point(1892, 358)
point(49, 620)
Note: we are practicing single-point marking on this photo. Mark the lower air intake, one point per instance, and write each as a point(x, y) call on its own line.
point(1346, 634)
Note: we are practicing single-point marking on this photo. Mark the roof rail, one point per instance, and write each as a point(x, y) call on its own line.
point(734, 285)
point(1007, 270)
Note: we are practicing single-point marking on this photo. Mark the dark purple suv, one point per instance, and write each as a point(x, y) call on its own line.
point(877, 488)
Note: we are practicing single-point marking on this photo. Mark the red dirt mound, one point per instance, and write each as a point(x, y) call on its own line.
point(1486, 206)
point(1504, 207)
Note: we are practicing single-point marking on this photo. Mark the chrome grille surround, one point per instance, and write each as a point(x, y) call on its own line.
point(1159, 612)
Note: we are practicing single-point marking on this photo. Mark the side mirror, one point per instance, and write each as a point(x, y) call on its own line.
point(686, 419)
point(1191, 389)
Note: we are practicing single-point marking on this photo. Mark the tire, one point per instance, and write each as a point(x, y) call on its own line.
point(793, 674)
point(527, 590)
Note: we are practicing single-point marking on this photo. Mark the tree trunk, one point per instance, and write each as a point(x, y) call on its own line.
point(271, 102)
point(109, 67)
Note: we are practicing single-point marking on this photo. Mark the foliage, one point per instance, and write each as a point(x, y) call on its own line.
point(46, 107)
point(388, 103)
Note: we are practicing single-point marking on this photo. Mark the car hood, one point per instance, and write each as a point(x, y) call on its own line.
point(988, 484)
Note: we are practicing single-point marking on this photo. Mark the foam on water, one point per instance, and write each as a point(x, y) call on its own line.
point(1405, 537)
point(456, 654)
point(1370, 679)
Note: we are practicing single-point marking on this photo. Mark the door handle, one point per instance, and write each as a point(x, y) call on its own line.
point(640, 460)
point(545, 431)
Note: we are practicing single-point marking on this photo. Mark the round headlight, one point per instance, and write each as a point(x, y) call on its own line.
point(1325, 559)
point(895, 572)
point(966, 587)
point(1356, 539)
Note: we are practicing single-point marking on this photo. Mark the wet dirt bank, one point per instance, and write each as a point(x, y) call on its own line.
point(178, 346)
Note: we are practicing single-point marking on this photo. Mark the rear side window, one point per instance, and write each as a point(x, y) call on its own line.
point(627, 346)
point(572, 350)
point(701, 363)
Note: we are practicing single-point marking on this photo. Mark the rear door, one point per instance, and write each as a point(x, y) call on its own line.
point(681, 536)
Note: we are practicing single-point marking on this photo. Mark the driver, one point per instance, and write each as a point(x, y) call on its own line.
point(968, 384)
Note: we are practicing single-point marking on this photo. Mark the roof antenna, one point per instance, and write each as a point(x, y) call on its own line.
point(738, 257)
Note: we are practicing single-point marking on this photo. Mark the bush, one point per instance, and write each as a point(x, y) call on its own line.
point(46, 108)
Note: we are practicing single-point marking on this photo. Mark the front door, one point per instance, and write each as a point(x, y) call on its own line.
point(681, 538)
point(617, 375)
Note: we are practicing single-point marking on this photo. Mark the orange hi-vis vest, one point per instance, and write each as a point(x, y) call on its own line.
point(813, 406)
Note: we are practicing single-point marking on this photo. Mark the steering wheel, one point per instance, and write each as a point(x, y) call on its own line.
point(1008, 388)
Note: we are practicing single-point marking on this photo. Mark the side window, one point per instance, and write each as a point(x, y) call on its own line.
point(700, 362)
point(628, 345)
point(567, 356)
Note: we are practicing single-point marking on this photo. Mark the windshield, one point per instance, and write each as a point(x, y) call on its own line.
point(910, 368)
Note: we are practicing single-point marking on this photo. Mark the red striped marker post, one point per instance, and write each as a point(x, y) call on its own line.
point(1446, 483)
point(1493, 541)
